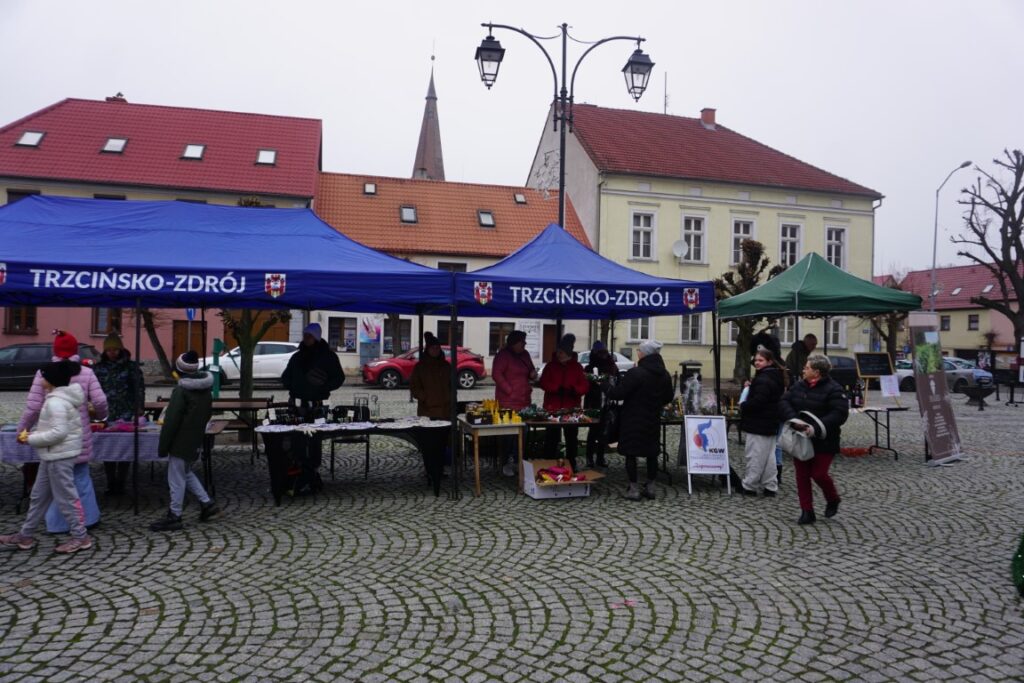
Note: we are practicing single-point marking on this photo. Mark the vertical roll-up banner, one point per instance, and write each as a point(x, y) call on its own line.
point(933, 398)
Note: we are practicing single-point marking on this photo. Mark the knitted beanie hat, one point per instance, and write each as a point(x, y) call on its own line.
point(112, 342)
point(65, 345)
point(59, 374)
point(651, 346)
point(314, 330)
point(188, 362)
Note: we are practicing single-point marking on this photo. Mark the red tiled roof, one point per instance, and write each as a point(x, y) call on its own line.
point(447, 219)
point(966, 281)
point(659, 145)
point(76, 130)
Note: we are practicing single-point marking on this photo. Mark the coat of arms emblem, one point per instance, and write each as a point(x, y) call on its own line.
point(483, 292)
point(274, 284)
point(691, 297)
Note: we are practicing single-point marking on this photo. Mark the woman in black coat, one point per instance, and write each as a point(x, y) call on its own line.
point(818, 400)
point(760, 417)
point(603, 363)
point(644, 391)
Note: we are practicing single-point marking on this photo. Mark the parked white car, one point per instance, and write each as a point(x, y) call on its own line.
point(268, 361)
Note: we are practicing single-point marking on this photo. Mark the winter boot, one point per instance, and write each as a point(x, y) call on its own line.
point(171, 522)
point(806, 517)
point(632, 492)
point(208, 511)
point(832, 508)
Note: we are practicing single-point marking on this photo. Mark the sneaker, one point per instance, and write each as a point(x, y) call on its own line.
point(208, 511)
point(74, 545)
point(19, 540)
point(768, 493)
point(170, 522)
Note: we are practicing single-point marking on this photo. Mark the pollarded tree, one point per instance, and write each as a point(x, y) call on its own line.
point(994, 221)
point(742, 278)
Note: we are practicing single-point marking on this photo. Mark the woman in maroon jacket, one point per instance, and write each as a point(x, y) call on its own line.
point(564, 385)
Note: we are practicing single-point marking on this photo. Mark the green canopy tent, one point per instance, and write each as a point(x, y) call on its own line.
point(813, 287)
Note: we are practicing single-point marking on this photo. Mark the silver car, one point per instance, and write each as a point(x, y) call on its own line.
point(957, 378)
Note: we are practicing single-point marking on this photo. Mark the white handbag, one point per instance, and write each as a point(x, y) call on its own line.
point(794, 443)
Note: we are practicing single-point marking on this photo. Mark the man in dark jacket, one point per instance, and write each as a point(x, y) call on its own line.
point(313, 372)
point(181, 440)
point(602, 363)
point(644, 391)
point(122, 381)
point(797, 357)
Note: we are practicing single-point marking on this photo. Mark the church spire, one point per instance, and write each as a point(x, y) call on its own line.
point(429, 162)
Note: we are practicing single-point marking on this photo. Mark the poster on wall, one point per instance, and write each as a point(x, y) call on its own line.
point(933, 396)
point(707, 448)
point(370, 336)
point(534, 338)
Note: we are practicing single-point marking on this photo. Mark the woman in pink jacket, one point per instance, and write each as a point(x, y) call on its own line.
point(65, 346)
point(513, 373)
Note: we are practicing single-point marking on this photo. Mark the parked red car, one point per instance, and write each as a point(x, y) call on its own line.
point(392, 372)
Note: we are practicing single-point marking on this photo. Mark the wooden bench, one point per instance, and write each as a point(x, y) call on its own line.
point(246, 413)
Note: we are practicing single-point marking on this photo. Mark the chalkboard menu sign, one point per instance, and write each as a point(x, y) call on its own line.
point(873, 364)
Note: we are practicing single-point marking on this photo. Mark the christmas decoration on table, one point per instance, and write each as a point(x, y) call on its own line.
point(533, 412)
point(558, 475)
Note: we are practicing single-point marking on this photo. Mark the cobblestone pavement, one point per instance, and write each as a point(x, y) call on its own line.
point(377, 580)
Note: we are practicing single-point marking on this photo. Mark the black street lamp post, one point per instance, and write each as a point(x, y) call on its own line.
point(637, 72)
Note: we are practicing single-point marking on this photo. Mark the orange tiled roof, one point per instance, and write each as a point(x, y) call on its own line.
point(447, 218)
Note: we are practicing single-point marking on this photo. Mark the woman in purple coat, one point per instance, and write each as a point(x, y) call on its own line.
point(65, 347)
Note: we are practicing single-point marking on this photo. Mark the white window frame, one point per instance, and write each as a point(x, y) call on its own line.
point(835, 333)
point(732, 331)
point(640, 324)
point(784, 240)
point(114, 145)
point(194, 151)
point(702, 233)
point(844, 245)
point(786, 331)
point(736, 254)
point(652, 230)
point(699, 317)
point(266, 157)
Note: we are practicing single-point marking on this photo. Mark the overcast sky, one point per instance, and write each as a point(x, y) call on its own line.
point(890, 94)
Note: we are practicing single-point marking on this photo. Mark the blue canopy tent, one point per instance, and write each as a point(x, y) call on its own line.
point(165, 254)
point(91, 252)
point(555, 276)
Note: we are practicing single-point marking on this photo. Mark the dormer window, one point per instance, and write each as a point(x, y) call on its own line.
point(30, 138)
point(407, 214)
point(369, 188)
point(486, 218)
point(115, 145)
point(955, 291)
point(266, 157)
point(193, 152)
point(519, 197)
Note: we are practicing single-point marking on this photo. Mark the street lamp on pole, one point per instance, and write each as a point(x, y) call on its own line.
point(637, 73)
point(935, 234)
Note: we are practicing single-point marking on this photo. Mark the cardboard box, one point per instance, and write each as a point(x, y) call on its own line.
point(570, 489)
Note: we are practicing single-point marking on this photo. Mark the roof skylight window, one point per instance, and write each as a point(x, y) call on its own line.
point(115, 145)
point(267, 157)
point(987, 289)
point(955, 291)
point(486, 218)
point(519, 197)
point(30, 138)
point(369, 188)
point(408, 214)
point(193, 152)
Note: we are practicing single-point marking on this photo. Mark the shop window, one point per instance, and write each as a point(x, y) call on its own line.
point(442, 331)
point(341, 334)
point(499, 331)
point(20, 320)
point(400, 334)
point(106, 320)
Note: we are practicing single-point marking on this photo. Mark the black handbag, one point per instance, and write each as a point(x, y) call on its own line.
point(610, 422)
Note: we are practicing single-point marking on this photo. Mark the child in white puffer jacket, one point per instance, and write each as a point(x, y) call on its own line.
point(58, 441)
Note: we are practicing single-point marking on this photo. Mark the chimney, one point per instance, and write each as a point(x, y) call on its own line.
point(707, 118)
point(117, 98)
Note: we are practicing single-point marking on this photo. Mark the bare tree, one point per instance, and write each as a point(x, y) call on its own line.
point(744, 277)
point(889, 325)
point(248, 327)
point(150, 321)
point(993, 222)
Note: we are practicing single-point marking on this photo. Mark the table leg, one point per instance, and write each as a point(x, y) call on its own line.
point(208, 465)
point(520, 468)
point(476, 463)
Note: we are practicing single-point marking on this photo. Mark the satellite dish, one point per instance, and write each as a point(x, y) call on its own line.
point(680, 248)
